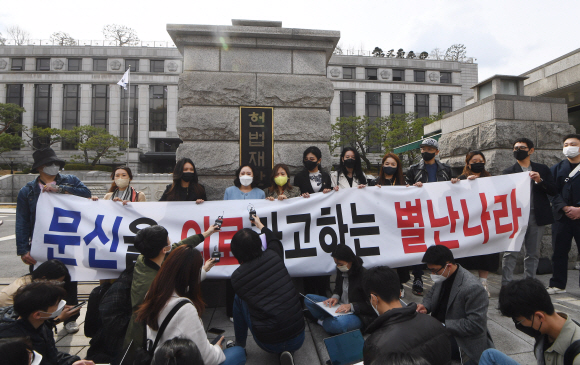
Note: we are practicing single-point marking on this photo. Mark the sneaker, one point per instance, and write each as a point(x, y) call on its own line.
point(308, 315)
point(71, 327)
point(554, 290)
point(418, 287)
point(485, 287)
point(286, 358)
point(232, 319)
point(402, 293)
point(230, 343)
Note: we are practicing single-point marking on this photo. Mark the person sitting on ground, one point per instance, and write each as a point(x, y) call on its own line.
point(178, 351)
point(178, 280)
point(348, 292)
point(121, 189)
point(36, 303)
point(528, 303)
point(280, 187)
point(458, 300)
point(398, 328)
point(401, 358)
point(265, 299)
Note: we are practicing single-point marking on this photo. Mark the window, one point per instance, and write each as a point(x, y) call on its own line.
point(157, 66)
point(373, 111)
point(158, 108)
point(99, 65)
point(42, 104)
point(75, 64)
point(167, 145)
point(17, 64)
point(349, 73)
point(397, 103)
point(445, 103)
point(14, 96)
point(43, 64)
point(371, 73)
point(422, 105)
point(398, 75)
point(70, 111)
point(509, 87)
point(347, 104)
point(100, 105)
point(132, 64)
point(445, 77)
point(132, 114)
point(484, 90)
point(419, 76)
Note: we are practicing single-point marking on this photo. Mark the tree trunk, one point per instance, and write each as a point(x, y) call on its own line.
point(86, 153)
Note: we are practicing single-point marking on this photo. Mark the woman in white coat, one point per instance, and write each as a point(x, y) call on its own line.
point(349, 174)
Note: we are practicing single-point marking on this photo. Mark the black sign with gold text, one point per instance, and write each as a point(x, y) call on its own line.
point(257, 142)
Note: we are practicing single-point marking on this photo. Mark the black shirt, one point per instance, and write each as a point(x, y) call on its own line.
point(184, 194)
point(349, 179)
point(441, 310)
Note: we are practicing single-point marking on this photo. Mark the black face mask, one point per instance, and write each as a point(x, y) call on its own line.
point(310, 165)
point(529, 330)
point(427, 156)
point(189, 177)
point(477, 167)
point(520, 155)
point(389, 170)
point(349, 163)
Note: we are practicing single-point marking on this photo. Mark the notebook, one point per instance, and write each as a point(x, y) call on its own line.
point(346, 348)
point(329, 310)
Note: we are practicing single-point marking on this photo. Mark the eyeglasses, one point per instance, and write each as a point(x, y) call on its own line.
point(516, 322)
point(435, 271)
point(521, 148)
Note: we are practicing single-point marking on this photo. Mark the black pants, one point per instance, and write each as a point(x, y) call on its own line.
point(563, 231)
point(230, 294)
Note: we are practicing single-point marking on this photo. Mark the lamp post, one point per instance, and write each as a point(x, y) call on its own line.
point(11, 165)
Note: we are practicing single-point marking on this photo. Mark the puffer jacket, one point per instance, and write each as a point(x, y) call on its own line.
point(405, 330)
point(266, 286)
point(417, 173)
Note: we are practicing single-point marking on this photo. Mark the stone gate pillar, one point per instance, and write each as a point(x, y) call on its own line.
point(251, 64)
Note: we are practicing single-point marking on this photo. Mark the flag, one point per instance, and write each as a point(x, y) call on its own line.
point(124, 80)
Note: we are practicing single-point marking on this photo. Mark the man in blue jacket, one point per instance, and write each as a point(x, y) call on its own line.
point(49, 180)
point(566, 210)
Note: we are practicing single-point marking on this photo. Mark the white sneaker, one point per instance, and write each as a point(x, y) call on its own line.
point(554, 290)
point(232, 319)
point(71, 327)
point(402, 293)
point(485, 287)
point(286, 358)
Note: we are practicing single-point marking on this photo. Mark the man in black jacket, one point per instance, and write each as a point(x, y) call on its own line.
point(566, 210)
point(426, 171)
point(398, 328)
point(35, 303)
point(266, 301)
point(542, 185)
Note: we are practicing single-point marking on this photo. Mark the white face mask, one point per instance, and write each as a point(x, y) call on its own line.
point(170, 248)
point(37, 358)
point(571, 151)
point(122, 183)
point(246, 180)
point(439, 278)
point(51, 170)
point(342, 268)
point(375, 309)
point(57, 312)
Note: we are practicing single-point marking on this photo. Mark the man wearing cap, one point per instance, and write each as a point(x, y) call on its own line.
point(427, 170)
point(48, 181)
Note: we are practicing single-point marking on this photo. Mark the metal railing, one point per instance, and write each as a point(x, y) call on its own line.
point(89, 42)
point(365, 53)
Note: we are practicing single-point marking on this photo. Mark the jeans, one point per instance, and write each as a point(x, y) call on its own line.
point(563, 231)
point(532, 241)
point(234, 356)
point(495, 357)
point(332, 325)
point(243, 321)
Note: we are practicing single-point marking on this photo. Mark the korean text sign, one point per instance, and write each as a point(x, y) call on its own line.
point(385, 226)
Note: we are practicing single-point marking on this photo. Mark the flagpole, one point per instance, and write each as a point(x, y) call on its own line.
point(128, 114)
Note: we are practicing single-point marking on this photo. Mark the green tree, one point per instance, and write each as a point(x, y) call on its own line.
point(9, 127)
point(378, 52)
point(360, 133)
point(39, 137)
point(94, 143)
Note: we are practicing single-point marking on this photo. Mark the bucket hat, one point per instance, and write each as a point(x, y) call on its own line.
point(45, 156)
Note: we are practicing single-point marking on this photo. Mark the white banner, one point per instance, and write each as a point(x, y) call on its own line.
point(385, 226)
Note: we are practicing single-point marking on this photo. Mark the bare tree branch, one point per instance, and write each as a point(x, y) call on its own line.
point(123, 35)
point(62, 39)
point(19, 35)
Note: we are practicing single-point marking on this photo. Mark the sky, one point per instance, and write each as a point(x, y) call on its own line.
point(505, 37)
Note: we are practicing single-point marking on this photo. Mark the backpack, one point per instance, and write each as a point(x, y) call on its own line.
point(8, 315)
point(93, 318)
point(572, 351)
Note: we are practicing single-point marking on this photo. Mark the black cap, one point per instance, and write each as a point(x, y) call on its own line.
point(45, 156)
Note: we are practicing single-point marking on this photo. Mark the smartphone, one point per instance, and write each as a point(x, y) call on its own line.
point(216, 331)
point(78, 305)
point(216, 340)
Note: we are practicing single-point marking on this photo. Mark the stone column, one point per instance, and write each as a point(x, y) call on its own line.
point(114, 110)
point(433, 104)
point(385, 104)
point(360, 73)
point(456, 103)
point(264, 65)
point(172, 107)
point(3, 91)
point(143, 119)
point(335, 107)
point(360, 103)
point(28, 105)
point(409, 102)
point(56, 110)
point(86, 104)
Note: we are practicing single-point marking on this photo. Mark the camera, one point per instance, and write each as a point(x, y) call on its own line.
point(252, 211)
point(218, 222)
point(216, 255)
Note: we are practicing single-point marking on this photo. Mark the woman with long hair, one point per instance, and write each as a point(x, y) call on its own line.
point(185, 185)
point(121, 189)
point(245, 185)
point(348, 292)
point(280, 187)
point(312, 179)
point(350, 173)
point(179, 280)
point(475, 168)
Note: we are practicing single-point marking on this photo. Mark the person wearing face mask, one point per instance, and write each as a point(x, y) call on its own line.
point(348, 293)
point(121, 189)
point(36, 303)
point(349, 173)
point(312, 179)
point(245, 185)
point(398, 328)
point(528, 304)
point(280, 188)
point(185, 185)
point(49, 181)
point(459, 301)
point(542, 186)
point(475, 168)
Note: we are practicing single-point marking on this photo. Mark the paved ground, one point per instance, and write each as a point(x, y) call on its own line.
point(507, 339)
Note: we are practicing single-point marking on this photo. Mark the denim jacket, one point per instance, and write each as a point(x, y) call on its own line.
point(26, 207)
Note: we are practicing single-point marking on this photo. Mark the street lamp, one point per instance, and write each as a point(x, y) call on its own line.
point(11, 165)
